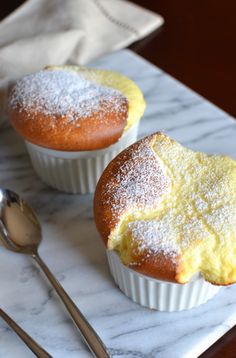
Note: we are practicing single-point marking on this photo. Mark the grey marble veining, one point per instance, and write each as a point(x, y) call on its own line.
point(73, 250)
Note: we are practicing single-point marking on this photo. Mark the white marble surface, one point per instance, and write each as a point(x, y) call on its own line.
point(74, 252)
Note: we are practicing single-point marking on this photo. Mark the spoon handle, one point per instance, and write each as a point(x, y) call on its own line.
point(34, 346)
point(90, 336)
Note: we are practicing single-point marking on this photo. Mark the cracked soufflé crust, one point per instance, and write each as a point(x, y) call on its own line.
point(170, 212)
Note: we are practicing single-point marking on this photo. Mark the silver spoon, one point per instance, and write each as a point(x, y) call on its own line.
point(20, 231)
point(29, 341)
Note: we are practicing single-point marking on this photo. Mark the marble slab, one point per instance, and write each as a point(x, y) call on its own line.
point(73, 250)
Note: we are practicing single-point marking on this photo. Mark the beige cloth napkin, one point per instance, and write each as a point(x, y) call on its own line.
point(43, 32)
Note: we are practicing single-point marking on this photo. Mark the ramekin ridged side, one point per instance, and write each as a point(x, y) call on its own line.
point(76, 172)
point(159, 295)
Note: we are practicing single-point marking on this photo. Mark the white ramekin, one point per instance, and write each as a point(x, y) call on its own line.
point(76, 172)
point(159, 295)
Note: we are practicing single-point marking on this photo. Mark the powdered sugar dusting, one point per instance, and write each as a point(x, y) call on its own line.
point(168, 234)
point(64, 93)
point(198, 213)
point(140, 181)
point(150, 236)
point(206, 184)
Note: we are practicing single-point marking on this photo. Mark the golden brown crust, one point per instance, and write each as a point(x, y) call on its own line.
point(106, 219)
point(159, 267)
point(156, 265)
point(60, 110)
point(59, 133)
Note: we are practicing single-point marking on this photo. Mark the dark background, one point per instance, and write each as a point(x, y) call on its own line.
point(197, 46)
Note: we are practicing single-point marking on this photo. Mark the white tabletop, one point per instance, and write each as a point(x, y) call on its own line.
point(73, 250)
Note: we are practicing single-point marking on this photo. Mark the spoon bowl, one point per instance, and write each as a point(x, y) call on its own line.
point(20, 231)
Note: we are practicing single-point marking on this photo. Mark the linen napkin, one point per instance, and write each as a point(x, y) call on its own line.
point(43, 32)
